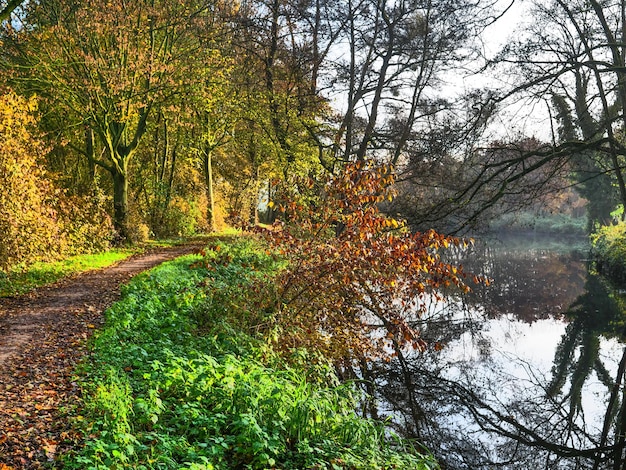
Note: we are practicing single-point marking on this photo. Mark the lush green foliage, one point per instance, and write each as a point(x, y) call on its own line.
point(23, 278)
point(609, 251)
point(174, 382)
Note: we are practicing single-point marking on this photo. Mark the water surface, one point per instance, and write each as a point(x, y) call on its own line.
point(529, 373)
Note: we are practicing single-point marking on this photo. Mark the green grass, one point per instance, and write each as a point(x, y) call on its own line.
point(175, 381)
point(22, 279)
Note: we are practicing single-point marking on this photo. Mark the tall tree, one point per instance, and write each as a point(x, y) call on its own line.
point(572, 58)
point(396, 55)
point(112, 68)
point(281, 41)
point(361, 79)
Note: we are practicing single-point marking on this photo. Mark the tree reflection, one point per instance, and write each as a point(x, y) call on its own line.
point(481, 418)
point(593, 314)
point(598, 312)
point(555, 278)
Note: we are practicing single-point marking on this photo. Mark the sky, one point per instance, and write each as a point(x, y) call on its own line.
point(523, 117)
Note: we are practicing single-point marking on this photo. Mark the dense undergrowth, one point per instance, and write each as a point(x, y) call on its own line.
point(609, 251)
point(176, 380)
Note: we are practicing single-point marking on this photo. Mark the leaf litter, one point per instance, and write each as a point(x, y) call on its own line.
point(42, 338)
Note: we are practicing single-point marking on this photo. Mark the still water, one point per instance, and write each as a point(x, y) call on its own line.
point(531, 371)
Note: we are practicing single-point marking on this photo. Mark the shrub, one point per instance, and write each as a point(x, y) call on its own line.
point(39, 221)
point(356, 279)
point(182, 218)
point(27, 224)
point(84, 225)
point(609, 251)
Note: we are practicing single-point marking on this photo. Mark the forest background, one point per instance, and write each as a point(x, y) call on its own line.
point(122, 123)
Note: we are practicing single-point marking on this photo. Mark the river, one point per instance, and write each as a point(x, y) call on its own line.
point(521, 374)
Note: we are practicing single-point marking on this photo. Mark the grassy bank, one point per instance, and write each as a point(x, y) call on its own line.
point(609, 251)
point(559, 224)
point(176, 381)
point(24, 278)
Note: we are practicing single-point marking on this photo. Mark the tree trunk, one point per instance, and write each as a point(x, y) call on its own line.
point(208, 175)
point(120, 206)
point(90, 153)
point(5, 12)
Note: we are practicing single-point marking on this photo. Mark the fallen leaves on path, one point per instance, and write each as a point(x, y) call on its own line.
point(37, 391)
point(42, 338)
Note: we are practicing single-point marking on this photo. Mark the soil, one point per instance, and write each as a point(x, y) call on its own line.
point(42, 338)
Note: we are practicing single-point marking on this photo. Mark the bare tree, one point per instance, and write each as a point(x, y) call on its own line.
point(392, 69)
point(571, 58)
point(7, 8)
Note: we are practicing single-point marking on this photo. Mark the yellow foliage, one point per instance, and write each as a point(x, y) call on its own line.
point(37, 220)
point(27, 227)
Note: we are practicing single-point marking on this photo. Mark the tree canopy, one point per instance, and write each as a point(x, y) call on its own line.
point(186, 116)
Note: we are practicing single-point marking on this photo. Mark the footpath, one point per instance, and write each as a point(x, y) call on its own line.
point(43, 335)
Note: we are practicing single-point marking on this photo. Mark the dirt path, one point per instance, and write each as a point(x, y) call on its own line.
point(42, 337)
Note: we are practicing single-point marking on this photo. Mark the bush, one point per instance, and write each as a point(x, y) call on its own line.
point(37, 220)
point(27, 224)
point(84, 225)
point(609, 251)
point(181, 219)
point(356, 279)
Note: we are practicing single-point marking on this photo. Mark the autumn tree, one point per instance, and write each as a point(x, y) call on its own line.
point(220, 110)
point(164, 176)
point(333, 81)
point(356, 279)
point(287, 45)
point(111, 70)
point(38, 220)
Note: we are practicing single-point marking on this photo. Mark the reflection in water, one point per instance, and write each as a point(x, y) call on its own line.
point(531, 375)
point(531, 280)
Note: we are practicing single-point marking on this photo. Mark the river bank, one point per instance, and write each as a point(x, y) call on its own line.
point(177, 379)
